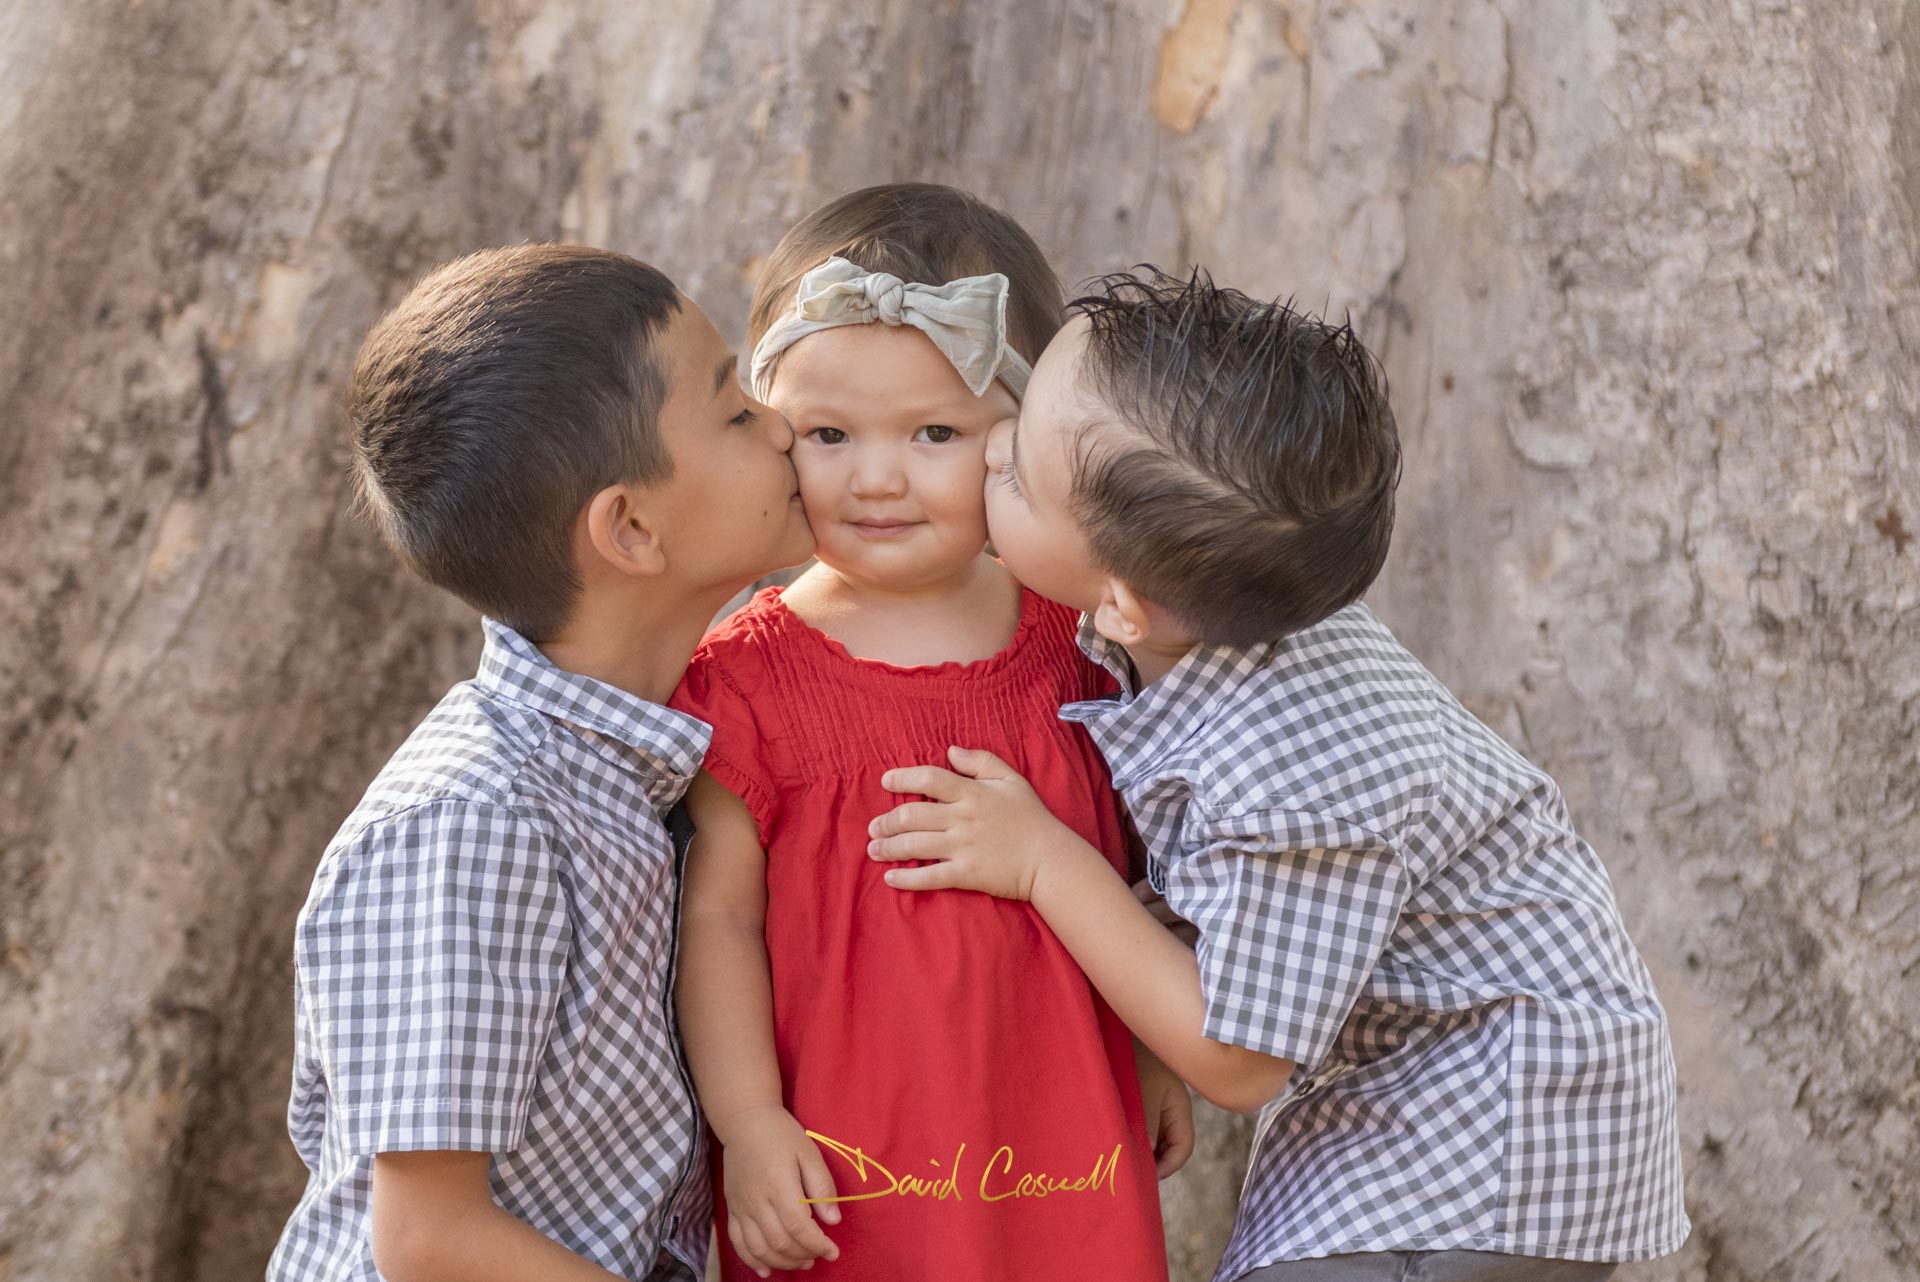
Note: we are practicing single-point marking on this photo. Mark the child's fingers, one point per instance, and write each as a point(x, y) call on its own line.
point(737, 1234)
point(818, 1182)
point(908, 845)
point(914, 816)
point(978, 763)
point(928, 781)
point(1176, 1142)
point(779, 1246)
point(932, 877)
point(801, 1241)
point(764, 1257)
point(807, 1239)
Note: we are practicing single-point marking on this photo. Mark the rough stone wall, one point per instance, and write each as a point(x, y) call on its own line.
point(1643, 276)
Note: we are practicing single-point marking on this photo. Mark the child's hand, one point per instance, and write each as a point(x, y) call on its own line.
point(985, 827)
point(1169, 1111)
point(770, 1165)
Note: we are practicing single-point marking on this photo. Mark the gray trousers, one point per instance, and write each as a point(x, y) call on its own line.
point(1430, 1266)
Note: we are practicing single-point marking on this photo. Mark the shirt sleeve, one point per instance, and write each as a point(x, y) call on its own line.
point(712, 691)
point(431, 957)
point(1294, 911)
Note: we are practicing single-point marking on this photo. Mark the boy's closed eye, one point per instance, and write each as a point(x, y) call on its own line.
point(1009, 466)
point(1008, 475)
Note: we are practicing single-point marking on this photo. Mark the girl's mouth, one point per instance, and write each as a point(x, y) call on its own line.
point(883, 529)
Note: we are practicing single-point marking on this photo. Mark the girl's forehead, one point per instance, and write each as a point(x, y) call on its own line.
point(872, 368)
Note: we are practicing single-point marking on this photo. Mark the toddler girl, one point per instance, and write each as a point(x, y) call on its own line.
point(931, 1077)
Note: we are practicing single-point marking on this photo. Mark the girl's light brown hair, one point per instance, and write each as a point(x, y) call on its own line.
point(923, 233)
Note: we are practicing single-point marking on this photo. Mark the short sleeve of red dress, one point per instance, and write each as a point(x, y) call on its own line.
point(719, 688)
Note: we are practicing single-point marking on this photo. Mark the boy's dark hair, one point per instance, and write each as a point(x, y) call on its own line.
point(925, 234)
point(1249, 488)
point(505, 390)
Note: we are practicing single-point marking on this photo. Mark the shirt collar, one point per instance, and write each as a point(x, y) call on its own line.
point(1136, 730)
point(669, 746)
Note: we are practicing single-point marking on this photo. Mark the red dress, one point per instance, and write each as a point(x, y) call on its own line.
point(967, 1075)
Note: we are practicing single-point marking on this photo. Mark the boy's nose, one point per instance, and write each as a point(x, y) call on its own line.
point(779, 428)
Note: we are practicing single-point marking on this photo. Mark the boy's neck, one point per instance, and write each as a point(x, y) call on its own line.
point(641, 645)
point(1151, 661)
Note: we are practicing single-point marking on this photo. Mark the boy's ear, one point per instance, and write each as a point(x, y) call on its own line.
point(622, 533)
point(1125, 616)
point(1122, 615)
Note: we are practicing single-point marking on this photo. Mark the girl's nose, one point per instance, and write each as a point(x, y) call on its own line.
point(877, 474)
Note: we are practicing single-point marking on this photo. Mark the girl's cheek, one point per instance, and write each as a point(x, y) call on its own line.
point(810, 469)
point(966, 489)
point(974, 474)
point(816, 488)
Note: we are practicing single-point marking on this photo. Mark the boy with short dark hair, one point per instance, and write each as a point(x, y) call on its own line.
point(487, 1080)
point(1394, 915)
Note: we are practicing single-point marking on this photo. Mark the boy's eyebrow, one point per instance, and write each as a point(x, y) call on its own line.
point(725, 373)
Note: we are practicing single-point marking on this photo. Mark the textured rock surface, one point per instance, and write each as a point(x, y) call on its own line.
point(1643, 277)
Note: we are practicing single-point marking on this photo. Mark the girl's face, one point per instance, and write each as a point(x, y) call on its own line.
point(890, 448)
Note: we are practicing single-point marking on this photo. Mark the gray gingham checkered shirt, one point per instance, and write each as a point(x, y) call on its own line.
point(485, 963)
point(1391, 897)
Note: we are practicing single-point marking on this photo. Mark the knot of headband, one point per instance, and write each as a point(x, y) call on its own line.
point(965, 318)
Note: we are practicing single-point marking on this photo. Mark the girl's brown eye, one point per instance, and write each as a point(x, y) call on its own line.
point(938, 433)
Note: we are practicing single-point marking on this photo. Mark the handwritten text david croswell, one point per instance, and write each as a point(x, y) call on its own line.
point(997, 1181)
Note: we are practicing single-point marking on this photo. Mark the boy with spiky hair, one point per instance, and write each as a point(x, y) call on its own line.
point(1396, 924)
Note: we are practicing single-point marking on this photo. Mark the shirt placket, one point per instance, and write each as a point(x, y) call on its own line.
point(680, 832)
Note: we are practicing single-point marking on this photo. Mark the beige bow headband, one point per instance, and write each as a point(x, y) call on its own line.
point(965, 318)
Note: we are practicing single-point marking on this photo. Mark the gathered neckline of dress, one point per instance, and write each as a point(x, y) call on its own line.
point(1032, 606)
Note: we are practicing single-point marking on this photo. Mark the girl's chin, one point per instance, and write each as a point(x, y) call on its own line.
point(902, 572)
